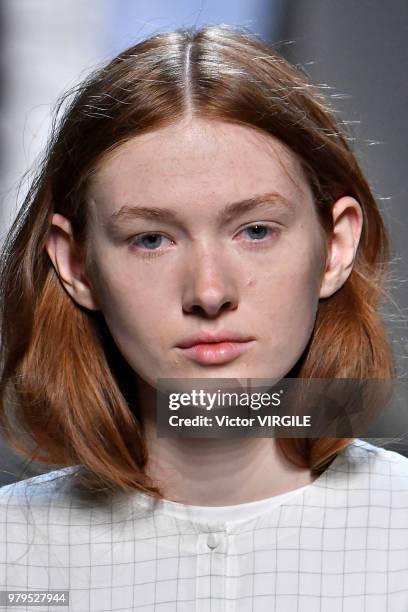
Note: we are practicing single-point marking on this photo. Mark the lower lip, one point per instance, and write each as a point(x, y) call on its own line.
point(217, 352)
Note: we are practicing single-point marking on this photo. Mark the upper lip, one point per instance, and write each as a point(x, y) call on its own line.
point(210, 338)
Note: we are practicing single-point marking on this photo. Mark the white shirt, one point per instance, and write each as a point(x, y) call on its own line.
point(339, 544)
point(237, 512)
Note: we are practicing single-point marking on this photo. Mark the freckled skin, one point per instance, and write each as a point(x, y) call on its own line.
point(205, 277)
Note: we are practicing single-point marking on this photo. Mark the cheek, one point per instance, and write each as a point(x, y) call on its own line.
point(131, 300)
point(297, 301)
point(288, 293)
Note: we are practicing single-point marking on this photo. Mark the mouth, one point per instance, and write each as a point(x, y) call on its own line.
point(216, 353)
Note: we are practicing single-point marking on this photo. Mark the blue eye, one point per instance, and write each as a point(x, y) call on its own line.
point(257, 231)
point(151, 242)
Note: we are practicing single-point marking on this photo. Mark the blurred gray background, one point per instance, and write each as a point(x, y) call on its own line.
point(357, 51)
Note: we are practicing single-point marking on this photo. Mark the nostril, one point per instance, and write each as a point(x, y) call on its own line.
point(210, 310)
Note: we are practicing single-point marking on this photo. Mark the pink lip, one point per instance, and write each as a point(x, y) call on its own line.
point(216, 352)
point(212, 337)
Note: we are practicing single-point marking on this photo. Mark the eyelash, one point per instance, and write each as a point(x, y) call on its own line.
point(155, 252)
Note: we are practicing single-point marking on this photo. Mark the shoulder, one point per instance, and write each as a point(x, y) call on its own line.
point(364, 457)
point(38, 491)
point(53, 502)
point(370, 473)
point(33, 513)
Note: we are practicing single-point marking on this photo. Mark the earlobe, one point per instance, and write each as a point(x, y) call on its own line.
point(63, 254)
point(343, 244)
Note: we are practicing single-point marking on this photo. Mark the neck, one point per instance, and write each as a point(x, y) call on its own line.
point(217, 472)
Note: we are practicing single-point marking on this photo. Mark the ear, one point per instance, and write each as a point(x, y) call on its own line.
point(60, 246)
point(344, 239)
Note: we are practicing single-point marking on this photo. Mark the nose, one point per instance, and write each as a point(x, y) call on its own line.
point(210, 285)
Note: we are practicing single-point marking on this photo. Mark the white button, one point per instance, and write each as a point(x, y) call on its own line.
point(212, 541)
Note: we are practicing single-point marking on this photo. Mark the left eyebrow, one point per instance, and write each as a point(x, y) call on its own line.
point(232, 210)
point(238, 208)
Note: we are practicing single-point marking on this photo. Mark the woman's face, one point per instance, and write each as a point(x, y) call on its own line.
point(205, 227)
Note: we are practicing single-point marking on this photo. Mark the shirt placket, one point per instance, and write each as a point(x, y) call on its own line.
point(212, 552)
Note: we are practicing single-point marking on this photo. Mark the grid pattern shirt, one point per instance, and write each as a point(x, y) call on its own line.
point(340, 545)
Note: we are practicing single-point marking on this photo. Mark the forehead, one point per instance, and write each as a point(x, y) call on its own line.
point(193, 164)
